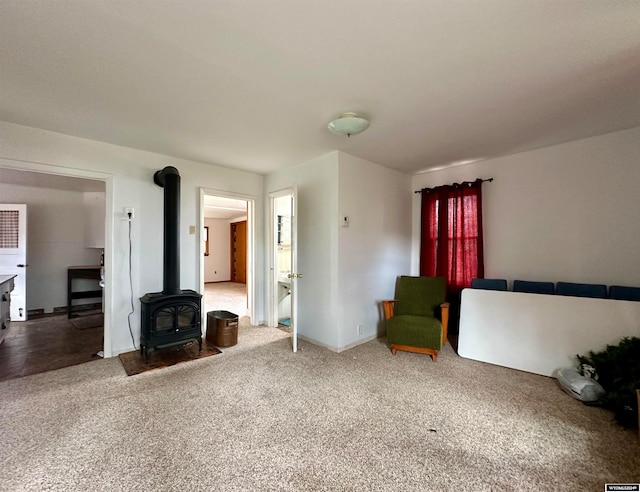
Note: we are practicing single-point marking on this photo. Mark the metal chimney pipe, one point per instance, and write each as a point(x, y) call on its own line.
point(169, 179)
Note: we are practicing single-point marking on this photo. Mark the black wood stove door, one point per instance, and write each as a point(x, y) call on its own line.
point(168, 321)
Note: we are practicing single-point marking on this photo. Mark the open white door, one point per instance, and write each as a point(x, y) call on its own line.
point(284, 302)
point(13, 255)
point(294, 268)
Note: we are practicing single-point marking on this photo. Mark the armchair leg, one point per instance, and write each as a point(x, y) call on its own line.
point(417, 350)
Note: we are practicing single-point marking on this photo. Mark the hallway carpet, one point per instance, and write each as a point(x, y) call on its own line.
point(225, 296)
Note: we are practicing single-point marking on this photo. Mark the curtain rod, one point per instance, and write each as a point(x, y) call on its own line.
point(463, 183)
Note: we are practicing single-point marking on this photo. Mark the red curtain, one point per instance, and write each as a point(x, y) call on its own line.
point(451, 243)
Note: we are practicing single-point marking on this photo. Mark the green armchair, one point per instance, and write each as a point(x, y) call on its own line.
point(418, 318)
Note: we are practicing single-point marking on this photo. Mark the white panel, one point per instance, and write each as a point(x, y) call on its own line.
point(540, 333)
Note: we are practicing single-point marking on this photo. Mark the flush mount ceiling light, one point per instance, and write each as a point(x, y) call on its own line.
point(349, 124)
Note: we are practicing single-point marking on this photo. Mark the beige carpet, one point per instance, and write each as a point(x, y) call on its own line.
point(258, 417)
point(225, 296)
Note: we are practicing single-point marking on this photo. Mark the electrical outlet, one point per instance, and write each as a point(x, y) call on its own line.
point(359, 328)
point(128, 213)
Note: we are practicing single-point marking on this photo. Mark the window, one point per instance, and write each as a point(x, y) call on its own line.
point(451, 239)
point(284, 230)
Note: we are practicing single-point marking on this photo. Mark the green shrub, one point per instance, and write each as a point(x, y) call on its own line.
point(618, 371)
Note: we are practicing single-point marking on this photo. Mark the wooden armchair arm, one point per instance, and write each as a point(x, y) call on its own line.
point(444, 318)
point(388, 308)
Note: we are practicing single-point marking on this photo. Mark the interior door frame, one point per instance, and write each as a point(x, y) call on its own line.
point(251, 245)
point(272, 291)
point(108, 234)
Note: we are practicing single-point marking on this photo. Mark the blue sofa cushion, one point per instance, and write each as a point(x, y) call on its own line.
point(533, 287)
point(489, 283)
point(624, 293)
point(581, 290)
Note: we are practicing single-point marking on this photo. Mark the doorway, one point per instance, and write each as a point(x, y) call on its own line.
point(283, 259)
point(227, 253)
point(63, 229)
point(283, 252)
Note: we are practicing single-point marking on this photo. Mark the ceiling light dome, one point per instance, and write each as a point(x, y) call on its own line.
point(349, 124)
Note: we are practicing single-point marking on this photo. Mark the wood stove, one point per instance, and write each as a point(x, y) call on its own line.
point(171, 317)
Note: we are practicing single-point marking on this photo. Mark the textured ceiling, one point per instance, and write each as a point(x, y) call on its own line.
point(252, 84)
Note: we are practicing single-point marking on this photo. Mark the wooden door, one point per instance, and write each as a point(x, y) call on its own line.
point(239, 252)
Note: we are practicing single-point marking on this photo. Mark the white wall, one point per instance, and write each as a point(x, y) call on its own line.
point(347, 271)
point(564, 213)
point(217, 266)
point(55, 240)
point(317, 182)
point(129, 177)
point(376, 246)
point(94, 214)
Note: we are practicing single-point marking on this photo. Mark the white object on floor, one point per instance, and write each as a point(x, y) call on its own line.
point(100, 354)
point(580, 387)
point(540, 333)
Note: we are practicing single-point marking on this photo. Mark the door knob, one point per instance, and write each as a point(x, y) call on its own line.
point(21, 265)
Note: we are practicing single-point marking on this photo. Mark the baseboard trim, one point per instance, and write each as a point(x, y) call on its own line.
point(359, 342)
point(337, 349)
point(63, 309)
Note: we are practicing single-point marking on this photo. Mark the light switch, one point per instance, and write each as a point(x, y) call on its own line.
point(192, 229)
point(345, 221)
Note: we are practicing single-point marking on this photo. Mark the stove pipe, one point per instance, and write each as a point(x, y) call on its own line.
point(169, 179)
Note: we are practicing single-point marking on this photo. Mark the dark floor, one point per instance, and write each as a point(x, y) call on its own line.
point(453, 340)
point(285, 328)
point(47, 343)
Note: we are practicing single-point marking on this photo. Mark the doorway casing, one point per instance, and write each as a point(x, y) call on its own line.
point(272, 274)
point(109, 217)
point(251, 244)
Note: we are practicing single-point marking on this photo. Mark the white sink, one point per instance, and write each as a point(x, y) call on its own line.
point(283, 278)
